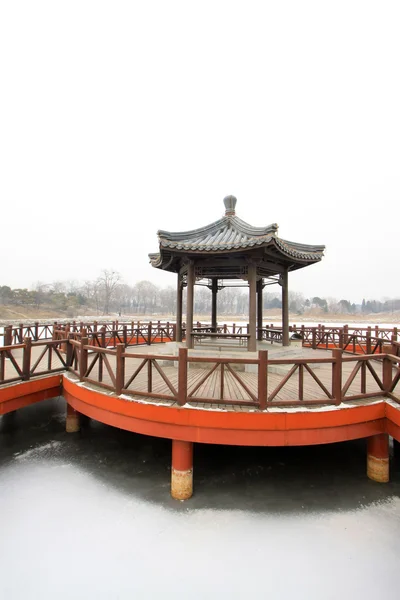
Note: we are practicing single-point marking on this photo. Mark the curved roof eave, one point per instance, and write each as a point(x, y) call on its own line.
point(226, 224)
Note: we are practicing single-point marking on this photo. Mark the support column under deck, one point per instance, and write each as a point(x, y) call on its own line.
point(73, 420)
point(378, 458)
point(396, 455)
point(179, 294)
point(285, 309)
point(252, 272)
point(182, 470)
point(214, 292)
point(189, 305)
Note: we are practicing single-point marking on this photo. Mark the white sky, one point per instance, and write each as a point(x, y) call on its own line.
point(121, 118)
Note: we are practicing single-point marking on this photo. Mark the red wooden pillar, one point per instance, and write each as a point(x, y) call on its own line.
point(182, 470)
point(378, 457)
point(73, 420)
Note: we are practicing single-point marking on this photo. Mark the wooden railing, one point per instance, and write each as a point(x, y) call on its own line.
point(142, 332)
point(210, 380)
point(19, 362)
point(218, 380)
point(135, 333)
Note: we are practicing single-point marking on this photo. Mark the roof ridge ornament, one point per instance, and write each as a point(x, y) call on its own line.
point(230, 203)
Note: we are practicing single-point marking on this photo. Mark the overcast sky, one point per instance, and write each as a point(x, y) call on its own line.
point(121, 118)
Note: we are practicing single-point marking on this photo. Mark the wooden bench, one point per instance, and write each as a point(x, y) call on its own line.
point(204, 337)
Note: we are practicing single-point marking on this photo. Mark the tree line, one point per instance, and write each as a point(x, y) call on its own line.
point(109, 294)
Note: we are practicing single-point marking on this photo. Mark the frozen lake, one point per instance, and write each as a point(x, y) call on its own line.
point(89, 515)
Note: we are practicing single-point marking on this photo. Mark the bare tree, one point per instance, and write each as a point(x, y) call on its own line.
point(107, 282)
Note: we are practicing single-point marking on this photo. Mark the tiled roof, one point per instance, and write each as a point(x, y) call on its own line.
point(230, 234)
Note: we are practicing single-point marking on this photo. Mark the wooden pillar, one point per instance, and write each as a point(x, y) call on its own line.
point(285, 309)
point(182, 470)
point(189, 305)
point(73, 422)
point(378, 457)
point(252, 271)
point(179, 293)
point(259, 308)
point(214, 292)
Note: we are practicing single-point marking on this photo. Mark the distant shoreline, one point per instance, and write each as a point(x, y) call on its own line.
point(274, 318)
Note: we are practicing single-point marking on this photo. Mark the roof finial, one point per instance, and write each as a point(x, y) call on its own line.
point(230, 203)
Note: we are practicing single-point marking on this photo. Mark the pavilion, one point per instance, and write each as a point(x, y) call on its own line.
point(230, 249)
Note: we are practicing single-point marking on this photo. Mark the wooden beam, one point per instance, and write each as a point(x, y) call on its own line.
point(214, 292)
point(179, 293)
point(190, 305)
point(285, 309)
point(252, 277)
point(259, 308)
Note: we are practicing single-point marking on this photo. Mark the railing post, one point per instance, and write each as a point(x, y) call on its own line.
point(149, 326)
point(65, 335)
point(337, 375)
point(149, 375)
point(103, 337)
point(21, 333)
point(323, 339)
point(54, 334)
point(8, 335)
point(182, 376)
point(120, 369)
point(314, 338)
point(341, 339)
point(345, 334)
point(394, 336)
point(124, 335)
point(387, 373)
point(36, 331)
point(368, 348)
point(263, 378)
point(174, 332)
point(83, 358)
point(69, 351)
point(26, 359)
